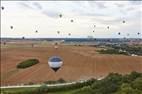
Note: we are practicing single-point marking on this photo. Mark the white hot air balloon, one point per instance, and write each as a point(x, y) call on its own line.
point(55, 62)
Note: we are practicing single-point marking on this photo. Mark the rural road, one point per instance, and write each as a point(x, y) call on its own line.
point(49, 85)
point(38, 85)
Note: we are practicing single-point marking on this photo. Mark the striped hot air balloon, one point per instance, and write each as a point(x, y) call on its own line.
point(55, 62)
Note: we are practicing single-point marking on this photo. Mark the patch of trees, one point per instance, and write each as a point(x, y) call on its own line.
point(115, 84)
point(122, 49)
point(129, 49)
point(27, 63)
point(112, 51)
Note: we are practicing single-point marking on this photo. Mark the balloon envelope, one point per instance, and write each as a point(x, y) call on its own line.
point(11, 27)
point(69, 34)
point(36, 31)
point(55, 62)
point(58, 32)
point(123, 21)
point(2, 8)
point(108, 27)
point(60, 15)
point(71, 20)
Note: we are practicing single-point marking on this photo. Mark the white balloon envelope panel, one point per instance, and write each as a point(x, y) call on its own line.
point(55, 62)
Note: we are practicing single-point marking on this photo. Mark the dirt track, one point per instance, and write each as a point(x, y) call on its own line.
point(79, 63)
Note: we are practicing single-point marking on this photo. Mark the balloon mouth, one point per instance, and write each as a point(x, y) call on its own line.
point(55, 65)
point(55, 69)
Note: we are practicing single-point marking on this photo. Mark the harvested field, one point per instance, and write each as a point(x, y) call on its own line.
point(80, 62)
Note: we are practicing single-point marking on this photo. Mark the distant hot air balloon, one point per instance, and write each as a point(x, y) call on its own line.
point(123, 21)
point(138, 33)
point(69, 34)
point(128, 34)
point(11, 27)
point(71, 20)
point(32, 45)
point(60, 15)
point(55, 62)
point(107, 27)
point(4, 43)
point(23, 37)
point(94, 25)
point(58, 32)
point(36, 31)
point(2, 7)
point(119, 33)
point(56, 45)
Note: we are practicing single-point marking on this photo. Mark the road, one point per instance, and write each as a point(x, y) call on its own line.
point(38, 85)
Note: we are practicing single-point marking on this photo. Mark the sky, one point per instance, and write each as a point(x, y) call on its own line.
point(28, 16)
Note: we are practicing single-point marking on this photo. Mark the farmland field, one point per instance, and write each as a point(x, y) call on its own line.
point(80, 62)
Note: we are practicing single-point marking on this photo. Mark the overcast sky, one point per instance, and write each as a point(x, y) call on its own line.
point(28, 16)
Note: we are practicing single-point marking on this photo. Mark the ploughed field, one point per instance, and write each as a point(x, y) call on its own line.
point(79, 62)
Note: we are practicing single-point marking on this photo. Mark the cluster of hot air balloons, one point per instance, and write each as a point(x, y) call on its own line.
point(58, 32)
point(55, 62)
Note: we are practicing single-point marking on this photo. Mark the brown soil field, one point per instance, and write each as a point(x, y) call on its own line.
point(79, 62)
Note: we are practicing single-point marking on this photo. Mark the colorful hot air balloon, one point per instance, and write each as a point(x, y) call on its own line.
point(55, 62)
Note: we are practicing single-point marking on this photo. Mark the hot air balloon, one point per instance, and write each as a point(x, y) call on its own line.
point(60, 15)
point(107, 27)
point(23, 37)
point(2, 8)
point(11, 27)
point(94, 25)
point(69, 34)
point(32, 45)
point(119, 33)
point(123, 21)
point(71, 20)
point(36, 31)
point(56, 45)
point(138, 33)
point(4, 43)
point(58, 32)
point(55, 62)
